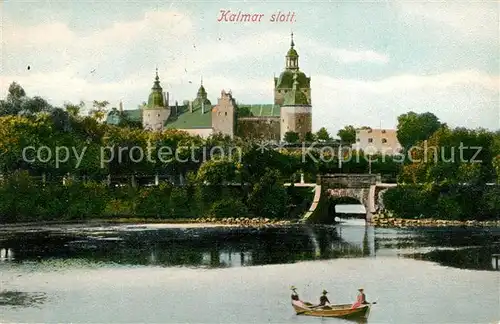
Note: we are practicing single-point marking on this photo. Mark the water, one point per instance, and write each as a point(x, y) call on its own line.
point(164, 274)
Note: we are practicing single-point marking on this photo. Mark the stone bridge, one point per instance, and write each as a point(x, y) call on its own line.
point(366, 188)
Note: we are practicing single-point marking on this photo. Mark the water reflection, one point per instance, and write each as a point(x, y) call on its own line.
point(459, 247)
point(214, 248)
point(21, 299)
point(469, 248)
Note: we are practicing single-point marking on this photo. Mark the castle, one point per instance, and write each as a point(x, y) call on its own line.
point(290, 112)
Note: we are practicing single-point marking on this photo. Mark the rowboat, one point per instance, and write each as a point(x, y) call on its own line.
point(342, 311)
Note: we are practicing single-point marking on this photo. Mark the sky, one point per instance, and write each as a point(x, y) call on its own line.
point(369, 61)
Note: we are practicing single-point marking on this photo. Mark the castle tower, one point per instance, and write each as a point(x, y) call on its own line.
point(284, 83)
point(296, 111)
point(224, 115)
point(156, 112)
point(202, 102)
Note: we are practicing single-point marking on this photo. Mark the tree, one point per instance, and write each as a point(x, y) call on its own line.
point(16, 92)
point(268, 197)
point(291, 137)
point(15, 97)
point(61, 119)
point(413, 127)
point(309, 137)
point(216, 172)
point(99, 109)
point(347, 134)
point(244, 112)
point(74, 110)
point(32, 106)
point(323, 135)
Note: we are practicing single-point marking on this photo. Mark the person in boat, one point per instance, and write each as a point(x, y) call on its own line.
point(361, 300)
point(323, 300)
point(295, 296)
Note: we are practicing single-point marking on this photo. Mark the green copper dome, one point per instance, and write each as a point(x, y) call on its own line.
point(202, 93)
point(292, 53)
point(156, 99)
point(295, 97)
point(202, 103)
point(285, 80)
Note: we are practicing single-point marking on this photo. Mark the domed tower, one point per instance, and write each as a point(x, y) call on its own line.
point(157, 111)
point(202, 102)
point(296, 111)
point(284, 83)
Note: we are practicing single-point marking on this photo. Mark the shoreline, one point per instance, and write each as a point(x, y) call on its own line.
point(174, 223)
point(376, 221)
point(396, 222)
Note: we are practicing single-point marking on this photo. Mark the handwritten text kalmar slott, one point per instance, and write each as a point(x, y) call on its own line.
point(239, 16)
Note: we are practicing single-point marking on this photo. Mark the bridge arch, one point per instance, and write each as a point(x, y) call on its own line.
point(361, 187)
point(361, 195)
point(334, 202)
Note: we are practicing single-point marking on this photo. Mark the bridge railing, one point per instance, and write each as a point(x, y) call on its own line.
point(349, 180)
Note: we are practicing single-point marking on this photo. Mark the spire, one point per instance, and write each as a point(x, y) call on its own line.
point(156, 97)
point(202, 93)
point(292, 57)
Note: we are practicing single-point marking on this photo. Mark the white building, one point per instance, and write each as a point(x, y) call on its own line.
point(375, 140)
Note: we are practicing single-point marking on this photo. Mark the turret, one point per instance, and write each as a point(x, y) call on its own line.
point(156, 111)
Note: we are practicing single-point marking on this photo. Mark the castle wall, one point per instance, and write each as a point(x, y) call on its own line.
point(264, 128)
point(154, 119)
point(223, 115)
point(296, 119)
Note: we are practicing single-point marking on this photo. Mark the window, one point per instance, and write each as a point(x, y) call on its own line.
point(384, 140)
point(158, 115)
point(358, 140)
point(218, 114)
point(370, 140)
point(149, 115)
point(383, 131)
point(225, 113)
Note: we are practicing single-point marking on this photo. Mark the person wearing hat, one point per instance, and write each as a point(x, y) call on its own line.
point(361, 300)
point(295, 296)
point(323, 299)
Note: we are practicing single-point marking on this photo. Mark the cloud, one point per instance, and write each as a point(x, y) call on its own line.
point(474, 20)
point(415, 82)
point(344, 55)
point(463, 98)
point(57, 33)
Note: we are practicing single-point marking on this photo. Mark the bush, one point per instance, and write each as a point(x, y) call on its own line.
point(228, 208)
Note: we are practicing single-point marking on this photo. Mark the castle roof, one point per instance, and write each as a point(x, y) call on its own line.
point(156, 99)
point(295, 97)
point(261, 110)
point(183, 118)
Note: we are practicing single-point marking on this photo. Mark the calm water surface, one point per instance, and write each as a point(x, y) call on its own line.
point(163, 274)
